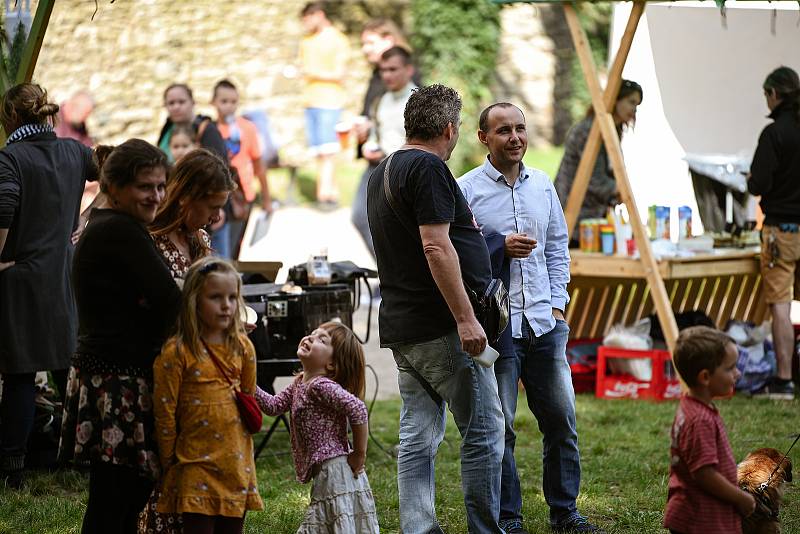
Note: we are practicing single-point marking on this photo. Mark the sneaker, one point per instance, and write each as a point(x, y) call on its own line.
point(775, 390)
point(513, 526)
point(577, 524)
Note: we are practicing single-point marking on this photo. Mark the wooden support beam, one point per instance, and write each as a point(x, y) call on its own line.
point(591, 149)
point(609, 136)
point(35, 39)
point(30, 53)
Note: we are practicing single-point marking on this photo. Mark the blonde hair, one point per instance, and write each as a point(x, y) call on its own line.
point(187, 331)
point(348, 358)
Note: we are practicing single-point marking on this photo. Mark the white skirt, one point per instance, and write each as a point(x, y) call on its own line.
point(340, 504)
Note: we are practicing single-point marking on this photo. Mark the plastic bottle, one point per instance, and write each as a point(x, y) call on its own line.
point(607, 239)
point(318, 268)
point(684, 222)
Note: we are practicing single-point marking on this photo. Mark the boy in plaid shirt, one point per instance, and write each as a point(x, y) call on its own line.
point(703, 496)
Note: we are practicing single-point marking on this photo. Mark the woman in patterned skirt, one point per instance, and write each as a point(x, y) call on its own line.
point(127, 303)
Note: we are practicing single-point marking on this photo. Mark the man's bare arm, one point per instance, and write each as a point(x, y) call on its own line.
point(443, 262)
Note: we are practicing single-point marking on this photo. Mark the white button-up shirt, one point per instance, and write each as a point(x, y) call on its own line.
point(539, 282)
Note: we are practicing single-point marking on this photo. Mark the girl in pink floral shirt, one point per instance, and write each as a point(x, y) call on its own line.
point(322, 399)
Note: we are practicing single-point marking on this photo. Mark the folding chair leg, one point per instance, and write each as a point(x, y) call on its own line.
point(270, 431)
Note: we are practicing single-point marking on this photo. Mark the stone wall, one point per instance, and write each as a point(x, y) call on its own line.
point(526, 68)
point(132, 50)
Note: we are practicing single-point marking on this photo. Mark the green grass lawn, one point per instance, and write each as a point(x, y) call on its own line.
point(624, 446)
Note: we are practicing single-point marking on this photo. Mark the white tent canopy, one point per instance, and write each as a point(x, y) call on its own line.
point(702, 77)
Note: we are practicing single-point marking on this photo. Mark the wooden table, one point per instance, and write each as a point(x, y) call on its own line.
point(606, 290)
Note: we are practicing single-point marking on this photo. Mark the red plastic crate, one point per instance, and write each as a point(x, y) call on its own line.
point(660, 387)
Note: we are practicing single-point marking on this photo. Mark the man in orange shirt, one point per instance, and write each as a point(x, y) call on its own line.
point(324, 52)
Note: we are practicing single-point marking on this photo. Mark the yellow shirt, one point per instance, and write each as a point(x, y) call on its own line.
point(204, 447)
point(324, 55)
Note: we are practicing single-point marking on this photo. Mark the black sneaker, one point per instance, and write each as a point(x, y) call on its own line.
point(577, 524)
point(513, 526)
point(775, 390)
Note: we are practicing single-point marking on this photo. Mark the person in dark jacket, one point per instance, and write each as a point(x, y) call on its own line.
point(775, 175)
point(41, 182)
point(127, 304)
point(602, 191)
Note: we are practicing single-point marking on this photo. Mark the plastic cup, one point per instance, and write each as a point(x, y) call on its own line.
point(343, 134)
point(532, 228)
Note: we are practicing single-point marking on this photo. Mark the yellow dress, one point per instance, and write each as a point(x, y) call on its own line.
point(205, 450)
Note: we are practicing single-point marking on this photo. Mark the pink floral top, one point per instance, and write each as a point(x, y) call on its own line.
point(320, 410)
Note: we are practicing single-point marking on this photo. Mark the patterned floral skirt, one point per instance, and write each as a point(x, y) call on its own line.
point(109, 418)
point(151, 521)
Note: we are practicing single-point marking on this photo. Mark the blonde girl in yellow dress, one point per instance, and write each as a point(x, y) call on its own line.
point(206, 452)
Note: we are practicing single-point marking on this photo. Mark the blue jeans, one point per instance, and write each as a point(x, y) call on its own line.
point(321, 129)
point(541, 363)
point(433, 374)
point(221, 241)
point(358, 214)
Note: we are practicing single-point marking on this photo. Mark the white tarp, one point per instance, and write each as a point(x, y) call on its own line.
point(702, 78)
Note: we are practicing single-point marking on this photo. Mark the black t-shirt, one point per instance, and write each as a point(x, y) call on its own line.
point(413, 309)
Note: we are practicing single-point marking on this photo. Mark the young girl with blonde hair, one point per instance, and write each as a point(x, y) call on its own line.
point(322, 400)
point(205, 450)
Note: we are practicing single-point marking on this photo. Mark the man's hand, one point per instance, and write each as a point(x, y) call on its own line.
point(4, 266)
point(519, 245)
point(558, 314)
point(356, 460)
point(361, 130)
point(473, 338)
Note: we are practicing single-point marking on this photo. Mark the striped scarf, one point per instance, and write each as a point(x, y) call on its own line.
point(27, 130)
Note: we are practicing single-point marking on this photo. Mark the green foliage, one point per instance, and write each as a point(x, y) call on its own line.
point(457, 43)
point(624, 461)
point(11, 56)
point(17, 47)
point(596, 21)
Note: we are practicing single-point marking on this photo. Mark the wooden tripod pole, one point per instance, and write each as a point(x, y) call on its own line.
point(583, 174)
point(30, 54)
point(608, 131)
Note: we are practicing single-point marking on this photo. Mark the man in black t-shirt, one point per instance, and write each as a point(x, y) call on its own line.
point(428, 246)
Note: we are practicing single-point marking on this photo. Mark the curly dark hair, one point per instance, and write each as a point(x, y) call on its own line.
point(429, 110)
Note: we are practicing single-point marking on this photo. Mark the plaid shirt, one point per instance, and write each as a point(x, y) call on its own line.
point(699, 440)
